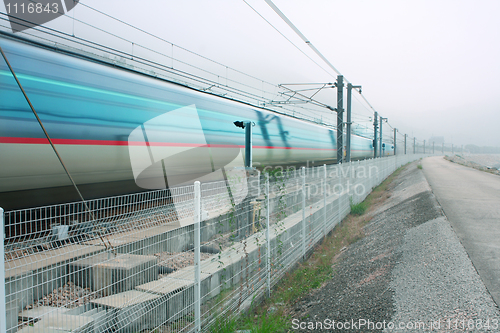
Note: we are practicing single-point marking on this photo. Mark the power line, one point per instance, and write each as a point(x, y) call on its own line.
point(308, 42)
point(166, 41)
point(297, 31)
point(186, 75)
point(298, 48)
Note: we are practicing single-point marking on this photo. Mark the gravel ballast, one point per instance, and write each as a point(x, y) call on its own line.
point(410, 268)
point(435, 283)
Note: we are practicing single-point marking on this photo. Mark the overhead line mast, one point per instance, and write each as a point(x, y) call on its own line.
point(339, 109)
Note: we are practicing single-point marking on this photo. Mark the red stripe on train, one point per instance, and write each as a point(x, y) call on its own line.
point(132, 143)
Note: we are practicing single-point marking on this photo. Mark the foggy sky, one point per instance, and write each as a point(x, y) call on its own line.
point(430, 66)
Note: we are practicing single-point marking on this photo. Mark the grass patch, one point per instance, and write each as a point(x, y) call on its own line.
point(419, 166)
point(275, 313)
point(224, 324)
point(359, 208)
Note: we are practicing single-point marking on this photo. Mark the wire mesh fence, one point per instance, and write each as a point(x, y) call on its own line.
point(175, 260)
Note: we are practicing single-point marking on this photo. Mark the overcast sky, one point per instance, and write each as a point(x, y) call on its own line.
point(430, 66)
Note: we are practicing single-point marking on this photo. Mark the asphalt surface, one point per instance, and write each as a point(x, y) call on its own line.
point(410, 271)
point(471, 201)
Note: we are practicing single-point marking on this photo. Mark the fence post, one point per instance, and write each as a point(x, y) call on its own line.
point(3, 314)
point(197, 270)
point(395, 162)
point(303, 213)
point(268, 240)
point(324, 200)
point(340, 190)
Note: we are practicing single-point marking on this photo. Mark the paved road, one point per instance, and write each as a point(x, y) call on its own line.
point(471, 201)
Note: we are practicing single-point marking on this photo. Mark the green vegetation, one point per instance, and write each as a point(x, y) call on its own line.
point(224, 325)
point(419, 166)
point(359, 208)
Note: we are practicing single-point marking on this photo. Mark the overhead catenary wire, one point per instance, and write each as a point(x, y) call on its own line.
point(298, 48)
point(186, 75)
point(308, 42)
point(297, 31)
point(237, 91)
point(27, 24)
point(166, 41)
point(201, 80)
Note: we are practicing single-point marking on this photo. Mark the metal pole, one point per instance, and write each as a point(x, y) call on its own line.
point(340, 118)
point(442, 148)
point(303, 213)
point(340, 192)
point(413, 145)
point(348, 127)
point(3, 314)
point(268, 240)
point(324, 201)
point(248, 144)
point(424, 146)
point(452, 148)
point(381, 126)
point(395, 142)
point(375, 124)
point(433, 147)
point(197, 268)
point(405, 144)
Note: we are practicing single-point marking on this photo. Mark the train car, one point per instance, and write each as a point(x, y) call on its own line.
point(90, 110)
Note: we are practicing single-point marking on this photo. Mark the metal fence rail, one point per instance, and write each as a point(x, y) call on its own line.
point(177, 260)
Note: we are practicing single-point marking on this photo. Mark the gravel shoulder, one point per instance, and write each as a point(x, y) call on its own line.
point(410, 269)
point(483, 162)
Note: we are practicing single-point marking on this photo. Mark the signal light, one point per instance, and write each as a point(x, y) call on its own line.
point(239, 124)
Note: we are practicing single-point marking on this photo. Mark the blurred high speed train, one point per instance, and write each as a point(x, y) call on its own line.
point(90, 108)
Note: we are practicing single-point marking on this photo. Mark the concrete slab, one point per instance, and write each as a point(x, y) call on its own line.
point(210, 266)
point(125, 299)
point(110, 275)
point(178, 296)
point(165, 286)
point(60, 323)
point(48, 258)
point(186, 273)
point(136, 234)
point(37, 328)
point(11, 311)
point(101, 320)
point(79, 310)
point(41, 311)
point(209, 284)
point(99, 314)
point(133, 310)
